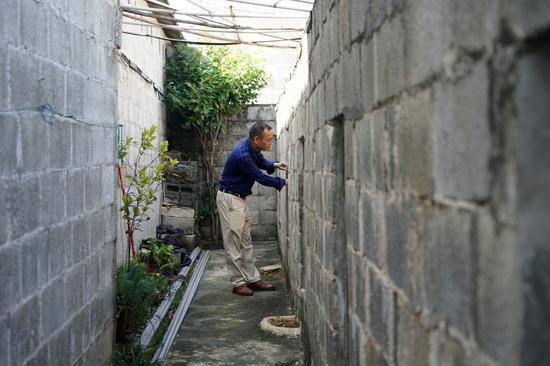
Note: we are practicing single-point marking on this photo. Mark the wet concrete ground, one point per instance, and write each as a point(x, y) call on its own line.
point(223, 329)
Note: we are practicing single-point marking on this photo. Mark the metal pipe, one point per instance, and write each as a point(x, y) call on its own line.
point(269, 6)
point(180, 313)
point(155, 321)
point(168, 11)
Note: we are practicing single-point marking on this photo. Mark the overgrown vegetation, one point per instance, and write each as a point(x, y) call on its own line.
point(206, 87)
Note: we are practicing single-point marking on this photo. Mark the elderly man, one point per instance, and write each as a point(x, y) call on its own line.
point(242, 168)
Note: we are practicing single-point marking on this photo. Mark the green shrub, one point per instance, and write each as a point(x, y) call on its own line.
point(158, 254)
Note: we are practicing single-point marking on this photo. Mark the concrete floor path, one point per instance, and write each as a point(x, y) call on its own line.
point(223, 329)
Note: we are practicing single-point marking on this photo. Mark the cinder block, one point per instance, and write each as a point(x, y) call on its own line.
point(427, 34)
point(183, 218)
point(53, 193)
point(60, 144)
point(353, 107)
point(93, 188)
point(21, 201)
point(358, 17)
point(75, 107)
point(34, 143)
point(81, 140)
point(4, 96)
point(380, 301)
point(53, 310)
point(74, 283)
point(368, 75)
point(414, 144)
point(412, 340)
point(108, 184)
point(461, 133)
point(10, 274)
point(390, 59)
point(24, 93)
point(35, 263)
point(80, 333)
point(60, 42)
point(9, 130)
point(59, 249)
point(75, 192)
point(80, 239)
point(9, 26)
point(33, 26)
point(4, 218)
point(60, 347)
point(527, 17)
point(376, 14)
point(24, 330)
point(446, 235)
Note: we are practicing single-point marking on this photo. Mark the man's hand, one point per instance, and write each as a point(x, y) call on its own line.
point(281, 166)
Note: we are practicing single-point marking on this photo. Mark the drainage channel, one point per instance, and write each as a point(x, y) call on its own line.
point(181, 311)
point(155, 321)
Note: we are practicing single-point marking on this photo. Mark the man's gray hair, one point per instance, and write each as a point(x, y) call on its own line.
point(258, 129)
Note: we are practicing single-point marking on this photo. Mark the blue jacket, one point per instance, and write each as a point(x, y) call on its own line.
point(242, 169)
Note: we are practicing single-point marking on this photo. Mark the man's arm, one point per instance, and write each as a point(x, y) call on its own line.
point(265, 164)
point(252, 169)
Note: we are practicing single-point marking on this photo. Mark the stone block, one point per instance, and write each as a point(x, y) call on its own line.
point(183, 218)
point(4, 334)
point(261, 113)
point(21, 201)
point(91, 277)
point(24, 330)
point(448, 278)
point(475, 24)
point(80, 333)
point(390, 59)
point(4, 93)
point(351, 212)
point(8, 140)
point(52, 197)
point(461, 136)
point(380, 149)
point(414, 144)
point(376, 14)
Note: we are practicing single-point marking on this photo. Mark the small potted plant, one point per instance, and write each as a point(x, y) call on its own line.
point(157, 256)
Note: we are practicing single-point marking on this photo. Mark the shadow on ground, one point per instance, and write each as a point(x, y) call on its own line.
point(223, 329)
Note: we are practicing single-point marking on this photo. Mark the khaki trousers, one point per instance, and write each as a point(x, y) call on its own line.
point(236, 222)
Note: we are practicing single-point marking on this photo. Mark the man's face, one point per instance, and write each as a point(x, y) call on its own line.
point(264, 142)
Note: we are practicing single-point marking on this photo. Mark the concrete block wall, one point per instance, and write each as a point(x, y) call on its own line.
point(262, 202)
point(57, 182)
point(413, 228)
point(140, 100)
